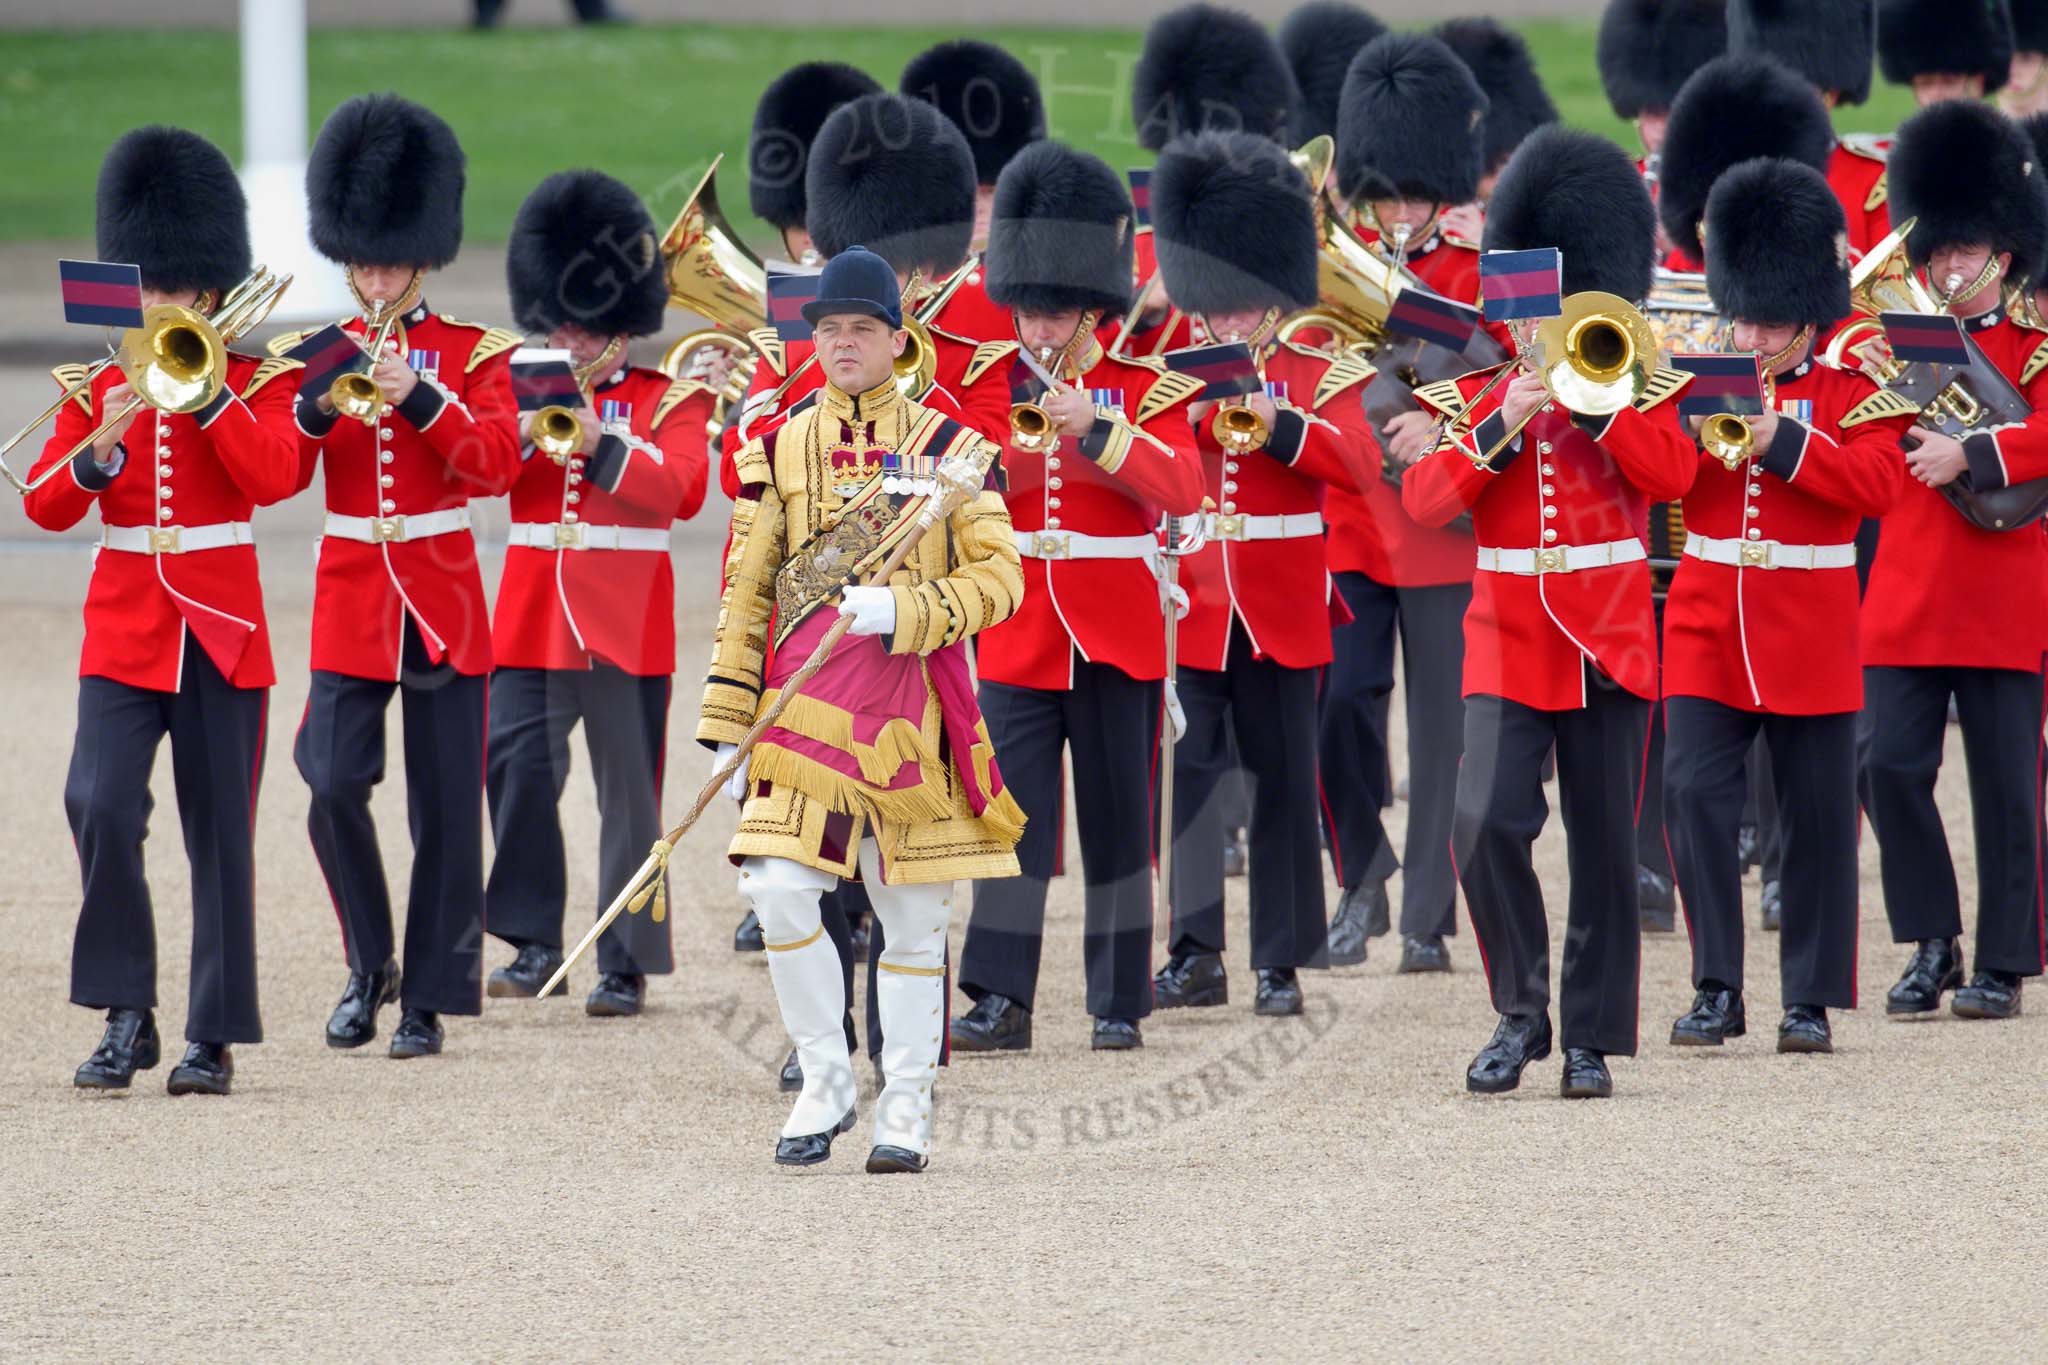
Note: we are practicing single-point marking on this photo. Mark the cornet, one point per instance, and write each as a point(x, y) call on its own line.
point(355, 394)
point(1031, 426)
point(556, 431)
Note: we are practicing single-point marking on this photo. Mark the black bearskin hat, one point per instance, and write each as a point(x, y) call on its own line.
point(1829, 42)
point(169, 202)
point(584, 250)
point(1969, 174)
point(786, 121)
point(1319, 40)
point(1205, 68)
point(1061, 233)
point(1648, 48)
point(1516, 102)
point(1777, 245)
point(1945, 37)
point(1735, 108)
point(2030, 25)
point(1234, 225)
point(895, 176)
point(987, 93)
point(1410, 123)
point(1580, 193)
point(384, 185)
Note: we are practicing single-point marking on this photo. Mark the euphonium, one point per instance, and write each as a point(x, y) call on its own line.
point(712, 273)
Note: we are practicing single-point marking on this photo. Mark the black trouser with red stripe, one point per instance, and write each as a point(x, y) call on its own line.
point(1352, 741)
point(216, 733)
point(2000, 712)
point(340, 752)
point(1273, 710)
point(1813, 775)
point(1501, 810)
point(1109, 722)
point(625, 727)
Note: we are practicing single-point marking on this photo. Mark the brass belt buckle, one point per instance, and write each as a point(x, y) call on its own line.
point(164, 540)
point(1756, 554)
point(1230, 527)
point(1051, 545)
point(569, 535)
point(385, 529)
point(1551, 559)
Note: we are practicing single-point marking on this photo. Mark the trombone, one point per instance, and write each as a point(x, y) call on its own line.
point(176, 361)
point(1595, 357)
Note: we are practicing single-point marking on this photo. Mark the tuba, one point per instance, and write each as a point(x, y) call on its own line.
point(713, 274)
point(1882, 282)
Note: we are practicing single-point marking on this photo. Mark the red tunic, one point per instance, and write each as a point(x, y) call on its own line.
point(1278, 590)
point(1571, 481)
point(569, 608)
point(1943, 593)
point(1138, 462)
point(1775, 639)
point(454, 438)
point(1856, 174)
point(180, 471)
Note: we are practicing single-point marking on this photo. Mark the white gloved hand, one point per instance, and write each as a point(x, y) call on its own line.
point(960, 475)
point(873, 610)
point(736, 785)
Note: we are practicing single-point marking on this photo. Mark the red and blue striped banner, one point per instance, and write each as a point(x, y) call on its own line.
point(1226, 369)
point(1522, 284)
point(1141, 193)
point(1428, 316)
point(789, 289)
point(540, 378)
point(101, 293)
point(1935, 338)
point(327, 355)
point(1721, 383)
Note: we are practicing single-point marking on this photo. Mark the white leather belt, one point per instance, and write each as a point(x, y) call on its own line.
point(1770, 554)
point(577, 535)
point(1074, 545)
point(379, 530)
point(176, 540)
point(1287, 526)
point(1560, 558)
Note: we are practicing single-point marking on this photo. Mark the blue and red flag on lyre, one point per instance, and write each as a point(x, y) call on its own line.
point(1935, 338)
point(101, 293)
point(1522, 284)
point(789, 289)
point(327, 354)
point(1428, 316)
point(542, 377)
point(1721, 383)
point(1226, 369)
point(1141, 193)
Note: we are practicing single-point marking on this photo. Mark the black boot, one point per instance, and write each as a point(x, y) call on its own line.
point(418, 1034)
point(887, 1160)
point(526, 973)
point(1114, 1035)
point(1351, 925)
point(1936, 967)
point(1749, 847)
point(208, 1069)
point(1517, 1041)
point(791, 1078)
point(1805, 1029)
point(354, 1021)
point(1191, 979)
point(996, 1023)
point(1772, 903)
point(1656, 901)
point(1585, 1075)
point(1716, 1016)
point(809, 1149)
point(618, 995)
point(1423, 953)
point(746, 938)
point(129, 1045)
point(1990, 995)
point(1279, 992)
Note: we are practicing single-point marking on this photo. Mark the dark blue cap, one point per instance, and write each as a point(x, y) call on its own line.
point(857, 281)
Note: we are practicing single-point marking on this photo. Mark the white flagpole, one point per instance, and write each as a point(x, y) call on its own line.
point(273, 56)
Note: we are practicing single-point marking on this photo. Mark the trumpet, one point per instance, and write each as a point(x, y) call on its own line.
point(1239, 429)
point(354, 393)
point(556, 431)
point(1031, 426)
point(1595, 358)
point(176, 361)
point(1728, 438)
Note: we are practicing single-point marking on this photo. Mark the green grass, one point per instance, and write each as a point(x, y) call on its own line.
point(650, 104)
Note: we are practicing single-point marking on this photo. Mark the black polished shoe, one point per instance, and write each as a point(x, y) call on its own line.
point(1235, 860)
point(1935, 968)
point(1585, 1075)
point(130, 1044)
point(1194, 980)
point(811, 1148)
point(747, 937)
point(1805, 1029)
point(1517, 1041)
point(526, 973)
point(208, 1069)
point(996, 1023)
point(1114, 1035)
point(1656, 901)
point(1990, 995)
point(1749, 847)
point(1772, 903)
point(1351, 925)
point(1716, 1016)
point(887, 1160)
point(617, 995)
point(354, 1021)
point(861, 937)
point(1279, 992)
point(1423, 953)
point(792, 1076)
point(418, 1034)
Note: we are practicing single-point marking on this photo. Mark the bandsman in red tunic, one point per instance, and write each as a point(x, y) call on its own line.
point(1077, 669)
point(1943, 50)
point(1760, 629)
point(1647, 49)
point(1516, 102)
point(1955, 613)
point(1560, 643)
point(175, 639)
point(398, 604)
point(584, 631)
point(1238, 251)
